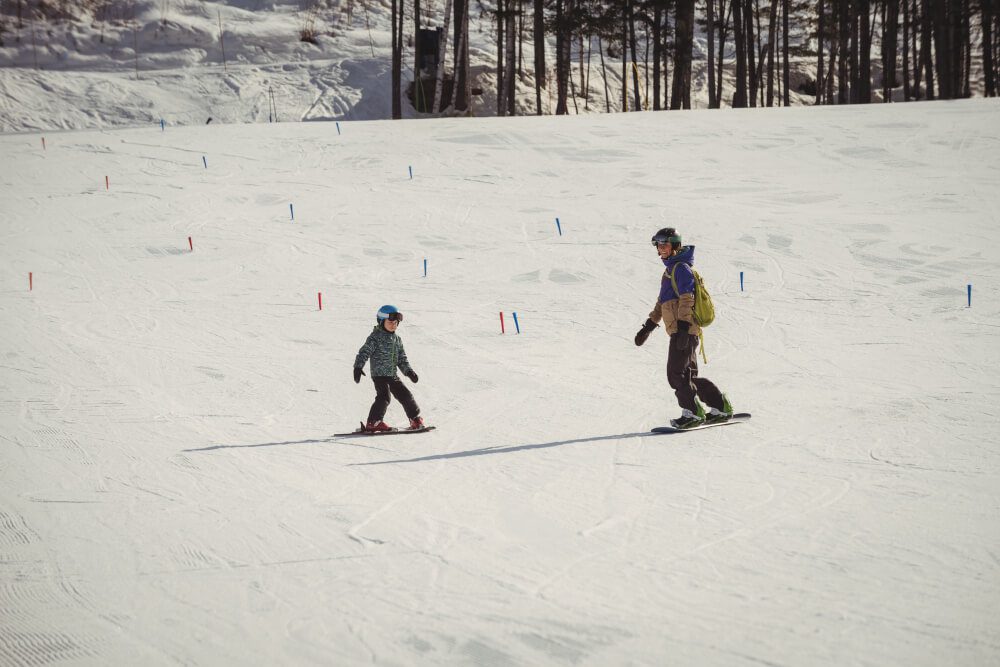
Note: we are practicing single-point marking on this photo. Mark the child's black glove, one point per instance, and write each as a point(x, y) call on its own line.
point(412, 376)
point(682, 335)
point(357, 375)
point(644, 332)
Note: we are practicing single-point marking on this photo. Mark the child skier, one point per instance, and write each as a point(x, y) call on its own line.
point(385, 349)
point(676, 311)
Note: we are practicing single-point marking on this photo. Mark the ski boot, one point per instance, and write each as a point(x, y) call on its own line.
point(375, 427)
point(416, 423)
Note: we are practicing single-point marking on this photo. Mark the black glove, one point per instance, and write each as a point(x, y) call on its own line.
point(357, 375)
point(682, 335)
point(413, 376)
point(644, 332)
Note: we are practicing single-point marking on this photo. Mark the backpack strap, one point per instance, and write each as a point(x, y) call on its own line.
point(701, 334)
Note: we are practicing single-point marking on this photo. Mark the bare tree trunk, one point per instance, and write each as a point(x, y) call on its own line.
point(865, 54)
point(463, 83)
point(906, 50)
point(501, 15)
point(834, 58)
point(821, 33)
point(713, 101)
point(925, 48)
point(562, 73)
point(683, 52)
point(760, 52)
point(539, 36)
point(723, 32)
point(944, 49)
point(635, 57)
point(658, 46)
point(397, 61)
point(511, 57)
point(604, 74)
point(967, 48)
point(890, 40)
point(989, 73)
point(665, 53)
point(786, 76)
point(917, 60)
point(442, 53)
point(750, 40)
point(855, 51)
point(739, 33)
point(419, 96)
point(843, 82)
point(772, 24)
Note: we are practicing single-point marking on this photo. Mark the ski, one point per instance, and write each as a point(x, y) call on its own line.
point(737, 418)
point(394, 431)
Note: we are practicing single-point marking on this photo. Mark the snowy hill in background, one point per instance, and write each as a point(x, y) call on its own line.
point(170, 492)
point(82, 74)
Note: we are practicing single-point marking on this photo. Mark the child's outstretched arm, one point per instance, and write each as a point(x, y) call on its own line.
point(404, 364)
point(365, 352)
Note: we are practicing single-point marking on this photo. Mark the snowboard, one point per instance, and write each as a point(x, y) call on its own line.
point(395, 431)
point(737, 418)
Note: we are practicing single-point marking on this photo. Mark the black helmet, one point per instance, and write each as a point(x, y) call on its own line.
point(667, 235)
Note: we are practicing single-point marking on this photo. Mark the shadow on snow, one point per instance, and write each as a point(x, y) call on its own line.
point(507, 450)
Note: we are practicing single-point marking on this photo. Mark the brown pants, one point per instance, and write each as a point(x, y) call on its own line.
point(682, 373)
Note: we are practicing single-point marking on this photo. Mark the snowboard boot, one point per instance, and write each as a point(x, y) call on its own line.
point(716, 416)
point(416, 423)
point(689, 419)
point(376, 427)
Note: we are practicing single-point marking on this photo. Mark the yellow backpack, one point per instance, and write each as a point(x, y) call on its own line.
point(704, 309)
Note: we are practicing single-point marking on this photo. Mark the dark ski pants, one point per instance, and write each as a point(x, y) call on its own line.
point(383, 387)
point(682, 373)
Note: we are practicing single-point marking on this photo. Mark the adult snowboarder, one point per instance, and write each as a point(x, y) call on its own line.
point(385, 349)
point(675, 309)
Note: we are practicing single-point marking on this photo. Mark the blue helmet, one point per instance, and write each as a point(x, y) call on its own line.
point(388, 313)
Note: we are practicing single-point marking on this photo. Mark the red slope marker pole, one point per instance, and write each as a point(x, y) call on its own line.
point(501, 323)
point(31, 282)
point(319, 295)
point(190, 244)
point(107, 183)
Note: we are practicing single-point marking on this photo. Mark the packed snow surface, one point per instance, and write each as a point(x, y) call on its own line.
point(171, 491)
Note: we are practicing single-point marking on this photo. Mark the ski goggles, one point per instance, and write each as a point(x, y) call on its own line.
point(394, 317)
point(663, 239)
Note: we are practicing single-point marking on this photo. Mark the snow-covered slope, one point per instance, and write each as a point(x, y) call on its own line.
point(170, 491)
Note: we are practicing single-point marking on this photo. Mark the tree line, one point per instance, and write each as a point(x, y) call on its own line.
point(855, 51)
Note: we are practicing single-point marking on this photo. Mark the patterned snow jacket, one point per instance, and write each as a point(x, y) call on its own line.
point(671, 306)
point(386, 352)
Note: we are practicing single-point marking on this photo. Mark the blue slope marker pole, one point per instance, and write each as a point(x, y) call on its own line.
point(741, 281)
point(338, 129)
point(970, 296)
point(425, 267)
point(162, 124)
point(558, 226)
point(516, 325)
point(204, 161)
point(291, 209)
point(411, 172)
